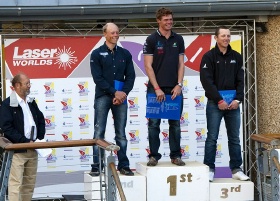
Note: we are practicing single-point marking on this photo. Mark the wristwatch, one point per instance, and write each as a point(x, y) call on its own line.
point(180, 84)
point(238, 101)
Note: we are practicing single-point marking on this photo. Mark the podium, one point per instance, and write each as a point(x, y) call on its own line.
point(231, 189)
point(134, 187)
point(169, 182)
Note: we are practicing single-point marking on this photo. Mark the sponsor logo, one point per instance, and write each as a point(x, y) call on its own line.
point(49, 89)
point(52, 157)
point(199, 102)
point(50, 122)
point(84, 123)
point(185, 152)
point(200, 134)
point(198, 88)
point(67, 124)
point(47, 57)
point(66, 105)
point(184, 120)
point(196, 50)
point(63, 57)
point(83, 88)
point(67, 136)
point(84, 154)
point(134, 136)
point(50, 108)
point(136, 50)
point(165, 134)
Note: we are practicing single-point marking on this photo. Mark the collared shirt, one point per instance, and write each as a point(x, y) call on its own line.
point(28, 118)
point(107, 66)
point(165, 54)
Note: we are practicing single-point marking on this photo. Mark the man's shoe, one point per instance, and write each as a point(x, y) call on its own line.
point(126, 171)
point(94, 172)
point(152, 162)
point(211, 176)
point(178, 161)
point(240, 176)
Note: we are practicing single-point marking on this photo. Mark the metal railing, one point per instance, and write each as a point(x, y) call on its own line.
point(267, 156)
point(111, 182)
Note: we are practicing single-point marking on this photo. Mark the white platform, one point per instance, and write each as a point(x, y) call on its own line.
point(92, 187)
point(169, 182)
point(231, 189)
point(134, 187)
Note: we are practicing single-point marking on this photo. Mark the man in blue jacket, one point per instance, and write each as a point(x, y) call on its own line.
point(22, 122)
point(113, 74)
point(221, 68)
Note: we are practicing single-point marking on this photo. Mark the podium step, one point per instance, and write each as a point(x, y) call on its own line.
point(134, 187)
point(231, 189)
point(169, 182)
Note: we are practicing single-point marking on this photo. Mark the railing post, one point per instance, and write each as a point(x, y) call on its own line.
point(274, 175)
point(5, 171)
point(111, 187)
point(102, 176)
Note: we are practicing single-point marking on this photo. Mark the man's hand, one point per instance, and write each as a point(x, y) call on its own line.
point(233, 105)
point(120, 96)
point(160, 95)
point(116, 101)
point(176, 91)
point(223, 105)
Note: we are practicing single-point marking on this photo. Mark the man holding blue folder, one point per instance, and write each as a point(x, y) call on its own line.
point(113, 74)
point(222, 77)
point(164, 63)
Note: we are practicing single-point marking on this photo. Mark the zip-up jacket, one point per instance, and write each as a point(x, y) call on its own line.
point(220, 71)
point(12, 120)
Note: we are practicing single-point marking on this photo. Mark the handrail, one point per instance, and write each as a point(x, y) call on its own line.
point(276, 162)
point(10, 147)
point(271, 139)
point(117, 180)
point(7, 145)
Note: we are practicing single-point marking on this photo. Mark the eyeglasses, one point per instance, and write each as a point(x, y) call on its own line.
point(26, 84)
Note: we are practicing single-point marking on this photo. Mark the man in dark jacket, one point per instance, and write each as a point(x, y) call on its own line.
point(164, 63)
point(222, 69)
point(22, 122)
point(113, 74)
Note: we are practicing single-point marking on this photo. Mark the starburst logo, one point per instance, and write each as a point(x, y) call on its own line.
point(65, 58)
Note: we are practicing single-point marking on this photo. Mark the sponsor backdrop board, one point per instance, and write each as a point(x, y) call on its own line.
point(64, 90)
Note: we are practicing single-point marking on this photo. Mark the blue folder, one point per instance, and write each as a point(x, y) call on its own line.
point(228, 95)
point(119, 86)
point(168, 109)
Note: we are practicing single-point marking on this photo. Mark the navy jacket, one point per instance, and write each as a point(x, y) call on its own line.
point(220, 71)
point(12, 120)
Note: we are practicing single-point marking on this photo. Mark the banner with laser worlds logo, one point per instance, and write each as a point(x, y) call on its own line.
point(62, 84)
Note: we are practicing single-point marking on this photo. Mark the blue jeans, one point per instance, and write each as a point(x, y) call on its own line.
point(232, 121)
point(102, 105)
point(174, 133)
